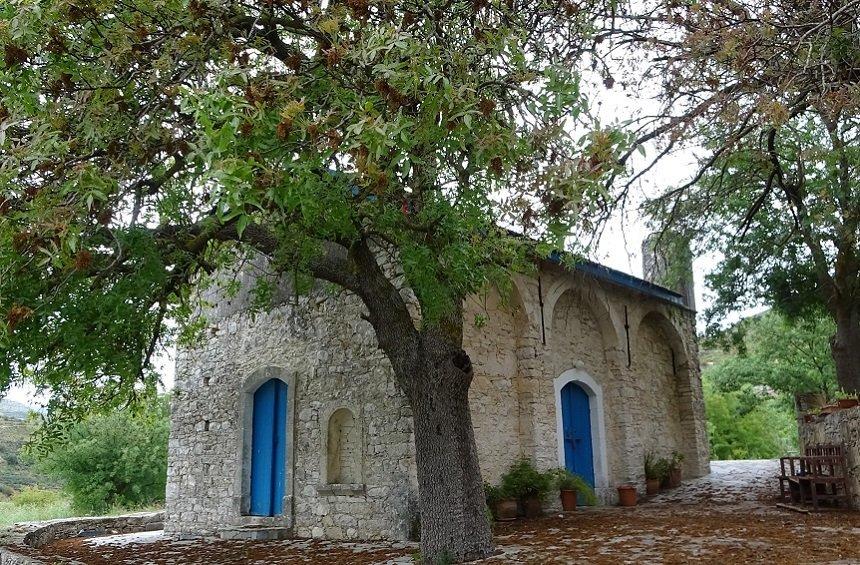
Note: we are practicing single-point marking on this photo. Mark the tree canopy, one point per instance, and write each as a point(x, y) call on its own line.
point(770, 91)
point(145, 145)
point(137, 137)
point(784, 355)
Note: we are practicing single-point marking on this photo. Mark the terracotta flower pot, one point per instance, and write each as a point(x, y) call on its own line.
point(847, 403)
point(568, 500)
point(652, 486)
point(674, 478)
point(506, 510)
point(532, 507)
point(627, 495)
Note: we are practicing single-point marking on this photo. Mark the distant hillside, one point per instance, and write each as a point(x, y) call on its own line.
point(14, 472)
point(13, 410)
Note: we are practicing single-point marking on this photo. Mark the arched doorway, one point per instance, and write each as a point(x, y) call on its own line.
point(576, 431)
point(269, 449)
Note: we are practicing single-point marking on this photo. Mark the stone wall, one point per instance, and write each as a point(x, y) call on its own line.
point(328, 356)
point(657, 385)
point(65, 528)
point(839, 428)
point(490, 336)
point(651, 395)
point(636, 355)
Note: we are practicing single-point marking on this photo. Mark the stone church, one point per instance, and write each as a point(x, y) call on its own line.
point(291, 420)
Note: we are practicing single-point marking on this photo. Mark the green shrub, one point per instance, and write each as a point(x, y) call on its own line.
point(676, 460)
point(651, 469)
point(746, 424)
point(117, 459)
point(524, 481)
point(493, 494)
point(36, 497)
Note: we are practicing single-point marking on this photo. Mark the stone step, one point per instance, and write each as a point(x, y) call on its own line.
point(259, 533)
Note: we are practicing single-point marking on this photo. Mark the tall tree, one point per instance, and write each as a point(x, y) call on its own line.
point(145, 144)
point(772, 92)
point(784, 355)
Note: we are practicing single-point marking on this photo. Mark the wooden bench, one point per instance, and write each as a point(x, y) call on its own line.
point(819, 475)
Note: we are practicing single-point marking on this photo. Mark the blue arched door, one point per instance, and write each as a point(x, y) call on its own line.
point(576, 429)
point(269, 449)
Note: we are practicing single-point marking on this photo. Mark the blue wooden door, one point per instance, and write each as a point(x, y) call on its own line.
point(576, 428)
point(269, 449)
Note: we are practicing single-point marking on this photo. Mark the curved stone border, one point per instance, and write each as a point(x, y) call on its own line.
point(47, 532)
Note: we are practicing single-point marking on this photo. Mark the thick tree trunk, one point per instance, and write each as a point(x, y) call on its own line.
point(454, 524)
point(435, 374)
point(845, 346)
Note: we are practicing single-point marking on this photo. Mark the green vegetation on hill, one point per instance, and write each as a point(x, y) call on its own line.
point(749, 384)
point(749, 424)
point(114, 459)
point(33, 504)
point(15, 472)
point(109, 463)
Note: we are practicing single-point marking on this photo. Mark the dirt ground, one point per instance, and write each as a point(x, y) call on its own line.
point(726, 517)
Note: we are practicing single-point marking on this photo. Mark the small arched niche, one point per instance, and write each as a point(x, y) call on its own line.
point(343, 449)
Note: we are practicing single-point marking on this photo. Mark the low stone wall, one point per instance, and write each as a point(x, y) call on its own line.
point(839, 428)
point(47, 532)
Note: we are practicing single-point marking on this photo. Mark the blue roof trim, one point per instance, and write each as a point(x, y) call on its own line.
point(619, 278)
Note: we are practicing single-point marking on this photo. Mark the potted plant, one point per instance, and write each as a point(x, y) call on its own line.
point(528, 485)
point(503, 506)
point(570, 485)
point(627, 495)
point(847, 402)
point(655, 472)
point(674, 474)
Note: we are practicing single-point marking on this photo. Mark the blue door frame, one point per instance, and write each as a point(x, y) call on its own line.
point(576, 430)
point(269, 449)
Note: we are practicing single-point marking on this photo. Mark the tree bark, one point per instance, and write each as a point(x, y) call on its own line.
point(454, 524)
point(845, 346)
point(435, 373)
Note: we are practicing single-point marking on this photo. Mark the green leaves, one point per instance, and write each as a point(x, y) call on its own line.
point(786, 355)
point(148, 145)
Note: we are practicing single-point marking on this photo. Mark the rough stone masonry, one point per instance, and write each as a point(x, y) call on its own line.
point(349, 463)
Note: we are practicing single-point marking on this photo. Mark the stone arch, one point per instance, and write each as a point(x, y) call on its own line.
point(524, 302)
point(589, 311)
point(243, 471)
point(662, 371)
point(598, 426)
point(671, 333)
point(343, 448)
point(578, 341)
point(597, 308)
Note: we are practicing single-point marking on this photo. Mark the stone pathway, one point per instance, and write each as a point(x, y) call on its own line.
point(726, 517)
